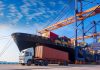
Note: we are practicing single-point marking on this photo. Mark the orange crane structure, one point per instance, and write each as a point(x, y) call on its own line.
point(81, 16)
point(89, 36)
point(95, 10)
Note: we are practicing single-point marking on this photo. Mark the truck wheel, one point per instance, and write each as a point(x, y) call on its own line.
point(36, 63)
point(29, 62)
point(45, 63)
point(23, 64)
point(65, 63)
point(41, 64)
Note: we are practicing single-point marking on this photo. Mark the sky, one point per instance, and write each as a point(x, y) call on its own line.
point(30, 16)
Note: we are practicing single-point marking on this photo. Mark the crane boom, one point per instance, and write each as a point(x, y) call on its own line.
point(89, 36)
point(95, 10)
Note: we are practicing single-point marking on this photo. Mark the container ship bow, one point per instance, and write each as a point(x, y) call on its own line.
point(24, 40)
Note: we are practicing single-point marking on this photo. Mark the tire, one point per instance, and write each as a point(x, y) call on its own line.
point(41, 63)
point(23, 64)
point(36, 63)
point(65, 63)
point(45, 63)
point(29, 62)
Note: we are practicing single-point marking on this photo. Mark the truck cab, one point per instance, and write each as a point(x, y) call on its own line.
point(26, 56)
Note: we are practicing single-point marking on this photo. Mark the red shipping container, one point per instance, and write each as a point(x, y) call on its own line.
point(50, 35)
point(43, 52)
point(53, 35)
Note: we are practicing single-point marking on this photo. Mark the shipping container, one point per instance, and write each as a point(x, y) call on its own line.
point(50, 35)
point(53, 35)
point(50, 55)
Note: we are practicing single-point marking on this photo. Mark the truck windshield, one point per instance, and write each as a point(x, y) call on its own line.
point(22, 53)
point(26, 53)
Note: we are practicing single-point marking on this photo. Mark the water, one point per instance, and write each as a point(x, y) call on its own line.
point(5, 62)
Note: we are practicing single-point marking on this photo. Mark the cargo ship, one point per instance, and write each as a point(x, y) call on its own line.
point(24, 40)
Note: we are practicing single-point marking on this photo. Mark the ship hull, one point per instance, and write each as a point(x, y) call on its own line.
point(24, 40)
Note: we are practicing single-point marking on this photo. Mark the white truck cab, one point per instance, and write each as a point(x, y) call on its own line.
point(26, 56)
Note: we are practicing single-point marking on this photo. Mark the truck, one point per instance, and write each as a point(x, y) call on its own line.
point(43, 55)
point(26, 56)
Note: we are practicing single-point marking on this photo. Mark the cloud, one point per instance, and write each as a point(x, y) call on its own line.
point(37, 10)
point(42, 9)
point(34, 15)
point(33, 3)
point(37, 3)
point(1, 5)
point(52, 3)
point(46, 16)
point(52, 12)
point(4, 26)
point(1, 14)
point(37, 14)
point(61, 2)
point(24, 9)
point(2, 8)
point(26, 2)
point(29, 6)
point(13, 14)
point(42, 4)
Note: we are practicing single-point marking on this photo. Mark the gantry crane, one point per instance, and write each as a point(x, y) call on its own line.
point(89, 36)
point(81, 16)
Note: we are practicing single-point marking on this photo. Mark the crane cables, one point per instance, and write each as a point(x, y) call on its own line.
point(4, 37)
point(5, 47)
point(89, 15)
point(91, 2)
point(58, 17)
point(63, 13)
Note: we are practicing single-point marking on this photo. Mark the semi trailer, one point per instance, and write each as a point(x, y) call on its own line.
point(43, 55)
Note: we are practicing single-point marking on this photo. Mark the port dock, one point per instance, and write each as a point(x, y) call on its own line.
point(50, 67)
